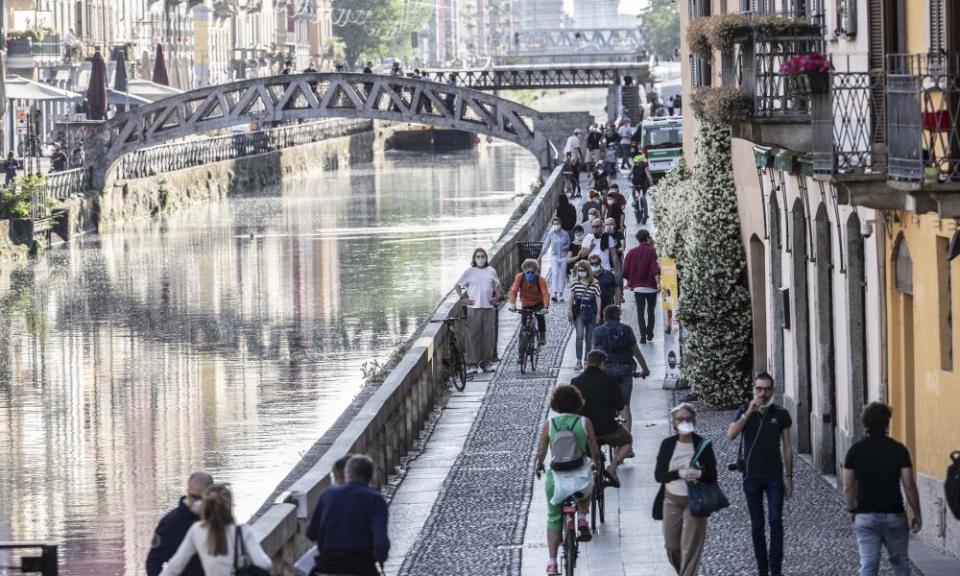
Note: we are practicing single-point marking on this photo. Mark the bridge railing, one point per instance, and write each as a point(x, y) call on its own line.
point(191, 153)
point(388, 424)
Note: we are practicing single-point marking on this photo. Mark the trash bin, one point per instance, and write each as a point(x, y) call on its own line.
point(528, 250)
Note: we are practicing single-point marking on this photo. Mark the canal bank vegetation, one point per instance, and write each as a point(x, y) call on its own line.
point(699, 227)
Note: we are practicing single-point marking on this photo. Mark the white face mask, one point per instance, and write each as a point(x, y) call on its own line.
point(481, 261)
point(556, 227)
point(686, 428)
point(578, 237)
point(197, 507)
point(609, 229)
point(582, 274)
point(596, 269)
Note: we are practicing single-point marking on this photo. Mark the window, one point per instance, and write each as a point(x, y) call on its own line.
point(945, 296)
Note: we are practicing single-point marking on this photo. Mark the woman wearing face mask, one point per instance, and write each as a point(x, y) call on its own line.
point(483, 294)
point(683, 458)
point(573, 249)
point(557, 242)
point(584, 308)
point(612, 209)
point(567, 215)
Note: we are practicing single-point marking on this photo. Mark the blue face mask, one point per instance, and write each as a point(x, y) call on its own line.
point(529, 276)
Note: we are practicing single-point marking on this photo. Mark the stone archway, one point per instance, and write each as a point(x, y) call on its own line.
point(801, 328)
point(825, 433)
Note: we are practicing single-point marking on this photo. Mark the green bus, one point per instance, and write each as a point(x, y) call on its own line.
point(662, 144)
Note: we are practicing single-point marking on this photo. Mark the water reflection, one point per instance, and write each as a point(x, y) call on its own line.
point(228, 337)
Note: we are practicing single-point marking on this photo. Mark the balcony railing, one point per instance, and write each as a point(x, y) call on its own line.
point(923, 109)
point(846, 122)
point(50, 48)
point(771, 96)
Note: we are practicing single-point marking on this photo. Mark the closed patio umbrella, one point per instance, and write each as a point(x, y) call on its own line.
point(120, 76)
point(160, 68)
point(97, 90)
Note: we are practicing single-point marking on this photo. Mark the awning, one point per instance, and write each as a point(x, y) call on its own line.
point(118, 98)
point(20, 88)
point(151, 90)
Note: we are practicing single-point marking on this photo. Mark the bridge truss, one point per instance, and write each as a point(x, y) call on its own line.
point(544, 77)
point(597, 40)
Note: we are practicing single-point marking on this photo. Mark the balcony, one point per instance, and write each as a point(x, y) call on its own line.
point(26, 51)
point(923, 94)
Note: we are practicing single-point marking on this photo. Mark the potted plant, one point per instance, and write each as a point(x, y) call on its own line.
point(807, 74)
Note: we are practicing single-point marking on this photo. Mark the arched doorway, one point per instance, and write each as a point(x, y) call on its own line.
point(758, 299)
point(826, 361)
point(902, 336)
point(857, 319)
point(801, 327)
point(776, 303)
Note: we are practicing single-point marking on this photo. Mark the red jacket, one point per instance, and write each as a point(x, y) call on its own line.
point(531, 293)
point(640, 268)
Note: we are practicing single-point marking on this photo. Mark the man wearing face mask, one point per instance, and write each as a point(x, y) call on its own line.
point(765, 427)
point(604, 244)
point(532, 289)
point(173, 527)
point(557, 242)
point(609, 287)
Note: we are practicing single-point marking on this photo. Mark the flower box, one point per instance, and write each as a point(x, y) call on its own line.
point(809, 83)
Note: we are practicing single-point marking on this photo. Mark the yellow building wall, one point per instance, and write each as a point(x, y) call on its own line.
point(916, 26)
point(925, 414)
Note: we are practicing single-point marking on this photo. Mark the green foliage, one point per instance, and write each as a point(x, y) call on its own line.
point(15, 200)
point(378, 28)
point(662, 28)
point(721, 104)
point(715, 303)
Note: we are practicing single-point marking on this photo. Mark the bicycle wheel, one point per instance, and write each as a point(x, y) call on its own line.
point(458, 365)
point(570, 548)
point(523, 352)
point(602, 504)
point(597, 495)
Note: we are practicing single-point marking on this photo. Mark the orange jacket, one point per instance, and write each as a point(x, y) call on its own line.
point(531, 293)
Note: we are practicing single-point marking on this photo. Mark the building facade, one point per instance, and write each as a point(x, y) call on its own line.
point(847, 191)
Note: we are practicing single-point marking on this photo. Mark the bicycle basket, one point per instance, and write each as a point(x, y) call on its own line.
point(528, 250)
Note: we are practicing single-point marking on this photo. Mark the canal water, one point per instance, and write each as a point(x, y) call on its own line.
point(228, 337)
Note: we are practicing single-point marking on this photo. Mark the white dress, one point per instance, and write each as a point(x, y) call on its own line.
point(195, 542)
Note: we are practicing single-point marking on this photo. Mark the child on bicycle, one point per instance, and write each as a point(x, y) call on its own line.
point(533, 292)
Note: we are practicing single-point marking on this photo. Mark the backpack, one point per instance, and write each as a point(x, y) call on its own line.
point(566, 451)
point(587, 309)
point(951, 486)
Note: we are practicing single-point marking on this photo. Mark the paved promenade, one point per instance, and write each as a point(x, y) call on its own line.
point(470, 505)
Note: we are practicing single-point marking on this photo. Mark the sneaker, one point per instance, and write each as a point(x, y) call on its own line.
point(643, 339)
point(543, 339)
point(579, 365)
point(485, 367)
point(612, 478)
point(554, 298)
point(552, 568)
point(583, 531)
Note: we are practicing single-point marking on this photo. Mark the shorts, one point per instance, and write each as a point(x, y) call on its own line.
point(617, 438)
point(626, 386)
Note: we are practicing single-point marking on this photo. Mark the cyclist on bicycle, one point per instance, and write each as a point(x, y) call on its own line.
point(533, 292)
point(569, 436)
point(642, 180)
point(602, 402)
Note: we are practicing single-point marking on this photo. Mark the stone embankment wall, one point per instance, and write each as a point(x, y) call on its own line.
point(388, 425)
point(10, 252)
point(126, 200)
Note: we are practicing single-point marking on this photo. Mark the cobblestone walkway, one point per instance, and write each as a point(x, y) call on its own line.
point(477, 522)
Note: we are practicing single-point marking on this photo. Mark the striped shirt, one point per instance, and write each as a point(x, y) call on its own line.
point(579, 290)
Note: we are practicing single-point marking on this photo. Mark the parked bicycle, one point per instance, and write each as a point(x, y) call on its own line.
point(528, 348)
point(455, 362)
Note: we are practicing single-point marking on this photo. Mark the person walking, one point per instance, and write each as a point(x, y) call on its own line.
point(610, 292)
point(484, 293)
point(684, 457)
point(603, 244)
point(557, 243)
point(594, 139)
point(218, 540)
point(567, 214)
point(874, 470)
point(530, 286)
point(765, 427)
point(625, 131)
point(570, 472)
point(641, 273)
point(10, 169)
point(173, 527)
point(349, 524)
point(623, 354)
point(584, 309)
point(571, 175)
point(573, 145)
point(591, 203)
point(602, 402)
point(574, 248)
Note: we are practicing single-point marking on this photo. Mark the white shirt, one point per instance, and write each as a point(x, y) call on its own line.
point(603, 254)
point(573, 143)
point(625, 133)
point(682, 455)
point(481, 284)
point(195, 543)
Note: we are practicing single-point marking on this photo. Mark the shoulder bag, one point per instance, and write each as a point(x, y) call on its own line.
point(704, 499)
point(242, 566)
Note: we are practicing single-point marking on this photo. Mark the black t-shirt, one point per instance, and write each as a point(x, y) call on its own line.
point(761, 442)
point(602, 399)
point(608, 287)
point(876, 462)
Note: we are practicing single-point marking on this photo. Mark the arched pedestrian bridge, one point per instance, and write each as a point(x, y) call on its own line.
point(308, 96)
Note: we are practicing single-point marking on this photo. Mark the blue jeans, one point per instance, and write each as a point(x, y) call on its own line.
point(878, 530)
point(755, 489)
point(584, 336)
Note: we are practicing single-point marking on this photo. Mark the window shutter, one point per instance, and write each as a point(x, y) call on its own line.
point(876, 56)
point(937, 26)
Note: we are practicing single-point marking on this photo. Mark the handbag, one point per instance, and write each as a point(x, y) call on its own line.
point(242, 566)
point(704, 499)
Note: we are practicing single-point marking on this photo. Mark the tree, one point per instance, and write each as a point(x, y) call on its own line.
point(715, 302)
point(375, 29)
point(662, 28)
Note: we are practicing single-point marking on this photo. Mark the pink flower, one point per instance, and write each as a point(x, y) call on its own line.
point(810, 63)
